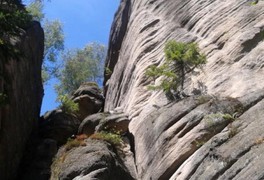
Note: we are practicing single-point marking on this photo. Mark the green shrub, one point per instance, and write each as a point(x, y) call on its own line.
point(108, 71)
point(112, 138)
point(68, 105)
point(181, 59)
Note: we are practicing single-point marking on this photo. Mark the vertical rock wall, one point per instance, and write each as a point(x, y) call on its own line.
point(168, 137)
point(21, 83)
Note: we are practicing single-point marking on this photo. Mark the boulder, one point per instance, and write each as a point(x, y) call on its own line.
point(90, 123)
point(90, 99)
point(111, 122)
point(58, 125)
point(96, 160)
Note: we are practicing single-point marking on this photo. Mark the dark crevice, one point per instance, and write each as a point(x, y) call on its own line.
point(252, 103)
point(150, 25)
point(196, 167)
point(252, 43)
point(180, 116)
point(117, 35)
point(189, 128)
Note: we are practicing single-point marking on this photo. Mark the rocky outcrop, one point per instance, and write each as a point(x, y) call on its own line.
point(90, 99)
point(171, 138)
point(114, 122)
point(95, 160)
point(100, 151)
point(58, 125)
point(21, 94)
point(54, 129)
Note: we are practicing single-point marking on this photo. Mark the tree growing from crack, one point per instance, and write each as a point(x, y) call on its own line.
point(180, 60)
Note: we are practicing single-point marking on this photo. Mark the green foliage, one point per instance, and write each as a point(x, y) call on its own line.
point(108, 71)
point(13, 19)
point(54, 39)
point(36, 10)
point(67, 105)
point(181, 59)
point(199, 143)
point(112, 138)
point(255, 2)
point(216, 120)
point(79, 66)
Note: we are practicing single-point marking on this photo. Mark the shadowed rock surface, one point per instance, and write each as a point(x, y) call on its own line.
point(90, 100)
point(96, 160)
point(54, 129)
point(58, 125)
point(20, 81)
point(115, 122)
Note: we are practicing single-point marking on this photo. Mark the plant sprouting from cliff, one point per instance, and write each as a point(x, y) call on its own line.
point(181, 59)
point(67, 104)
point(112, 138)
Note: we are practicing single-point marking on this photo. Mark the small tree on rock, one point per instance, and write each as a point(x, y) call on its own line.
point(181, 59)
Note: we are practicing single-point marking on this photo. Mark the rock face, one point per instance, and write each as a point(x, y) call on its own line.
point(115, 122)
point(54, 129)
point(97, 153)
point(97, 160)
point(21, 94)
point(90, 100)
point(171, 138)
point(58, 125)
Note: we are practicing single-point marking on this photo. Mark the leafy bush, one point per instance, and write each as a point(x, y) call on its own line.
point(112, 138)
point(108, 71)
point(67, 105)
point(181, 59)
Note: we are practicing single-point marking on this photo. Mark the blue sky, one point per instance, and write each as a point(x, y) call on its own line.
point(84, 21)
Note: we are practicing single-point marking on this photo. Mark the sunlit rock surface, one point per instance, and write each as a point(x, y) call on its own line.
point(230, 34)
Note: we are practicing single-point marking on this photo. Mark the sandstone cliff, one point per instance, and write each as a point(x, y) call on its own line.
point(21, 94)
point(191, 139)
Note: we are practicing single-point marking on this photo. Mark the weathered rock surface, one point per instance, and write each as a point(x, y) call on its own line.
point(20, 81)
point(171, 140)
point(167, 136)
point(58, 125)
point(90, 100)
point(115, 122)
point(96, 160)
point(54, 129)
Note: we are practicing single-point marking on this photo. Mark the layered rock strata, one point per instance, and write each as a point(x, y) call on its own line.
point(229, 33)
